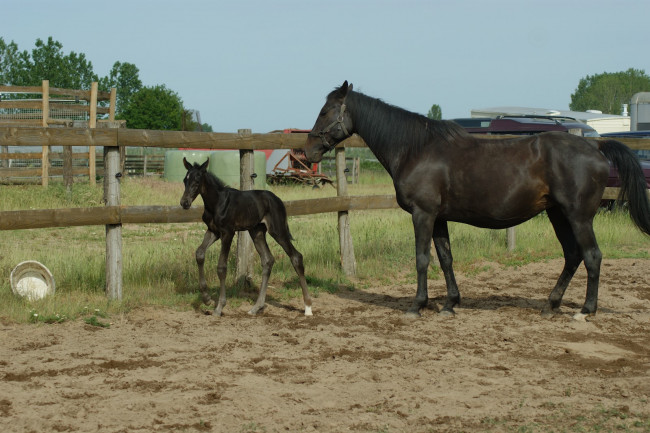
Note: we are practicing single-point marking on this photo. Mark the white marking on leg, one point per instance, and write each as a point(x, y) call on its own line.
point(308, 310)
point(580, 317)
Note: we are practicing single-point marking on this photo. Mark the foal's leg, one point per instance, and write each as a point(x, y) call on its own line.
point(423, 227)
point(258, 234)
point(443, 248)
point(222, 269)
point(208, 239)
point(572, 258)
point(283, 238)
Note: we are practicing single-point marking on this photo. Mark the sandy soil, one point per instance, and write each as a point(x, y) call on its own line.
point(357, 365)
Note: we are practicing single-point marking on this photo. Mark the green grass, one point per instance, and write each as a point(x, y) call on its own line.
point(158, 259)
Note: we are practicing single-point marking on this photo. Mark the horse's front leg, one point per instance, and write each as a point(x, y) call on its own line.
point(443, 249)
point(423, 227)
point(222, 270)
point(208, 239)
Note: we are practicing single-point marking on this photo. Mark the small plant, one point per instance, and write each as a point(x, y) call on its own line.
point(94, 321)
point(35, 317)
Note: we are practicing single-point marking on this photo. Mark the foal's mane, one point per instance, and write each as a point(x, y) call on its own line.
point(390, 127)
point(211, 180)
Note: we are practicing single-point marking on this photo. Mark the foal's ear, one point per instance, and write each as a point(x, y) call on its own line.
point(204, 166)
point(186, 164)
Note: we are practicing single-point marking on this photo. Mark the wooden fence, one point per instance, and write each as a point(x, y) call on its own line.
point(57, 107)
point(25, 167)
point(114, 215)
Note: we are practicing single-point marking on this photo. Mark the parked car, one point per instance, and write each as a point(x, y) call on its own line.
point(525, 125)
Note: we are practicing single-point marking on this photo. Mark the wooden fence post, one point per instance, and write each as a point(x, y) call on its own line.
point(92, 123)
point(45, 156)
point(113, 231)
point(511, 239)
point(67, 168)
point(348, 261)
point(245, 248)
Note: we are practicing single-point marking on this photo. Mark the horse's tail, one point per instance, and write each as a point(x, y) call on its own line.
point(633, 184)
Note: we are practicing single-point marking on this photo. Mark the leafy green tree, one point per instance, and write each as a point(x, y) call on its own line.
point(125, 77)
point(142, 107)
point(435, 112)
point(607, 92)
point(154, 108)
point(8, 61)
point(46, 62)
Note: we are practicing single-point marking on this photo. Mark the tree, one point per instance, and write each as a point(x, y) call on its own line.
point(607, 92)
point(435, 112)
point(46, 62)
point(8, 61)
point(154, 108)
point(125, 77)
point(142, 107)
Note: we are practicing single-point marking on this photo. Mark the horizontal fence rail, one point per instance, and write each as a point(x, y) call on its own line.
point(70, 217)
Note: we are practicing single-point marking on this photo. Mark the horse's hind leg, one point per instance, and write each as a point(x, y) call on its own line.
point(443, 249)
point(572, 259)
point(208, 239)
point(222, 270)
point(584, 233)
point(283, 238)
point(258, 235)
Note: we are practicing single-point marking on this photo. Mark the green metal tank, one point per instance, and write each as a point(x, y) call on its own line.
point(223, 163)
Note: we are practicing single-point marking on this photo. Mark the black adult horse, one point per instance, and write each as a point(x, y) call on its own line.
point(227, 210)
point(441, 173)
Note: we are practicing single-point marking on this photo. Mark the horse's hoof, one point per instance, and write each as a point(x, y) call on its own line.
point(308, 311)
point(548, 313)
point(253, 311)
point(412, 314)
point(580, 317)
point(447, 313)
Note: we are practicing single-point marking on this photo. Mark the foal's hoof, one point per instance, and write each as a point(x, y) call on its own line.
point(410, 314)
point(308, 310)
point(447, 313)
point(581, 317)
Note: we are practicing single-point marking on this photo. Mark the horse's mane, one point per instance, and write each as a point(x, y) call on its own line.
point(389, 127)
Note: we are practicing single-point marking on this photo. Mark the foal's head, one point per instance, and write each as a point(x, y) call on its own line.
point(192, 181)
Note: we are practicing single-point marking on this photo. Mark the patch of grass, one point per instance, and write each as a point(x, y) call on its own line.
point(94, 321)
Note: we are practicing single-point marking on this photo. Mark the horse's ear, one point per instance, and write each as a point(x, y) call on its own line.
point(345, 89)
point(186, 164)
point(204, 166)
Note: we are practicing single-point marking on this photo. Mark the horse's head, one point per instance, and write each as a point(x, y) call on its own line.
point(192, 181)
point(333, 125)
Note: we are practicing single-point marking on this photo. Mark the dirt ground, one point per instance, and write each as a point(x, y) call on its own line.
point(357, 365)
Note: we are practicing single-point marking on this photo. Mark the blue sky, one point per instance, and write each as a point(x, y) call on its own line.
point(267, 65)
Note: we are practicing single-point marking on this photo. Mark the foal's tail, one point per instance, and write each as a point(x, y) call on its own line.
point(633, 184)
